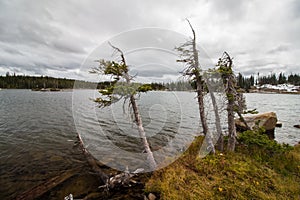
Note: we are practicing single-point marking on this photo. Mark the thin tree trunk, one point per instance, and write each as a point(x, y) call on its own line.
point(142, 133)
point(200, 95)
point(243, 120)
point(220, 144)
point(203, 119)
point(200, 98)
point(231, 122)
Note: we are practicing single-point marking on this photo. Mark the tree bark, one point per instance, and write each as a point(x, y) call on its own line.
point(230, 110)
point(142, 133)
point(200, 93)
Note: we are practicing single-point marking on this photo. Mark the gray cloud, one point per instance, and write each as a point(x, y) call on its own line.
point(55, 37)
point(154, 70)
point(280, 48)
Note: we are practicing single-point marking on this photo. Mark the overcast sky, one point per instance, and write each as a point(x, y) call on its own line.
point(56, 38)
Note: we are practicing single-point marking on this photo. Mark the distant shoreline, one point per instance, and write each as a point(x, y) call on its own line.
point(270, 91)
point(259, 91)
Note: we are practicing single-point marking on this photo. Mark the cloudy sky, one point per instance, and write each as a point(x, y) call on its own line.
point(57, 38)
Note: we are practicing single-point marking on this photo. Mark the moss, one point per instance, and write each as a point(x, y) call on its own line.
point(239, 175)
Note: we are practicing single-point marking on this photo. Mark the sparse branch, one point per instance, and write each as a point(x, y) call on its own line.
point(119, 51)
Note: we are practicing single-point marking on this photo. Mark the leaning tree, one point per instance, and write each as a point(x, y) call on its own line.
point(189, 55)
point(122, 88)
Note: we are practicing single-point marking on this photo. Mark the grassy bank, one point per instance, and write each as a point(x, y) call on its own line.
point(259, 169)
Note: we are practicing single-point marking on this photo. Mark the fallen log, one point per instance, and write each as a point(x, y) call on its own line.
point(42, 188)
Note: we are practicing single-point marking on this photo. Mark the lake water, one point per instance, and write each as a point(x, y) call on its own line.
point(287, 109)
point(38, 130)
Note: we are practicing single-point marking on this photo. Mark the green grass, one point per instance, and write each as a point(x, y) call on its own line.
point(259, 169)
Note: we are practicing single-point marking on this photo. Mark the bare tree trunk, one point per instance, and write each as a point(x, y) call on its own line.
point(200, 95)
point(200, 98)
point(142, 133)
point(230, 110)
point(220, 144)
point(243, 120)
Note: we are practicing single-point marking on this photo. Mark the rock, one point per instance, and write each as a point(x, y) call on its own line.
point(266, 120)
point(297, 126)
point(151, 196)
point(69, 197)
point(279, 124)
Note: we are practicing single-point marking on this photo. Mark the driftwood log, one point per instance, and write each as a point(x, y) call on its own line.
point(51, 183)
point(42, 188)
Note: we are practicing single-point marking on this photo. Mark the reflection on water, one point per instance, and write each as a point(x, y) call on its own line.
point(37, 130)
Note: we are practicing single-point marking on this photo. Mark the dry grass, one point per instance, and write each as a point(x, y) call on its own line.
point(237, 175)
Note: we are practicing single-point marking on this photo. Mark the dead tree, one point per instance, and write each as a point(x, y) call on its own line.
point(113, 93)
point(189, 55)
point(235, 99)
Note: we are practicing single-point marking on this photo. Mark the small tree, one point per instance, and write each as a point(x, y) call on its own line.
point(125, 90)
point(236, 101)
point(189, 55)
